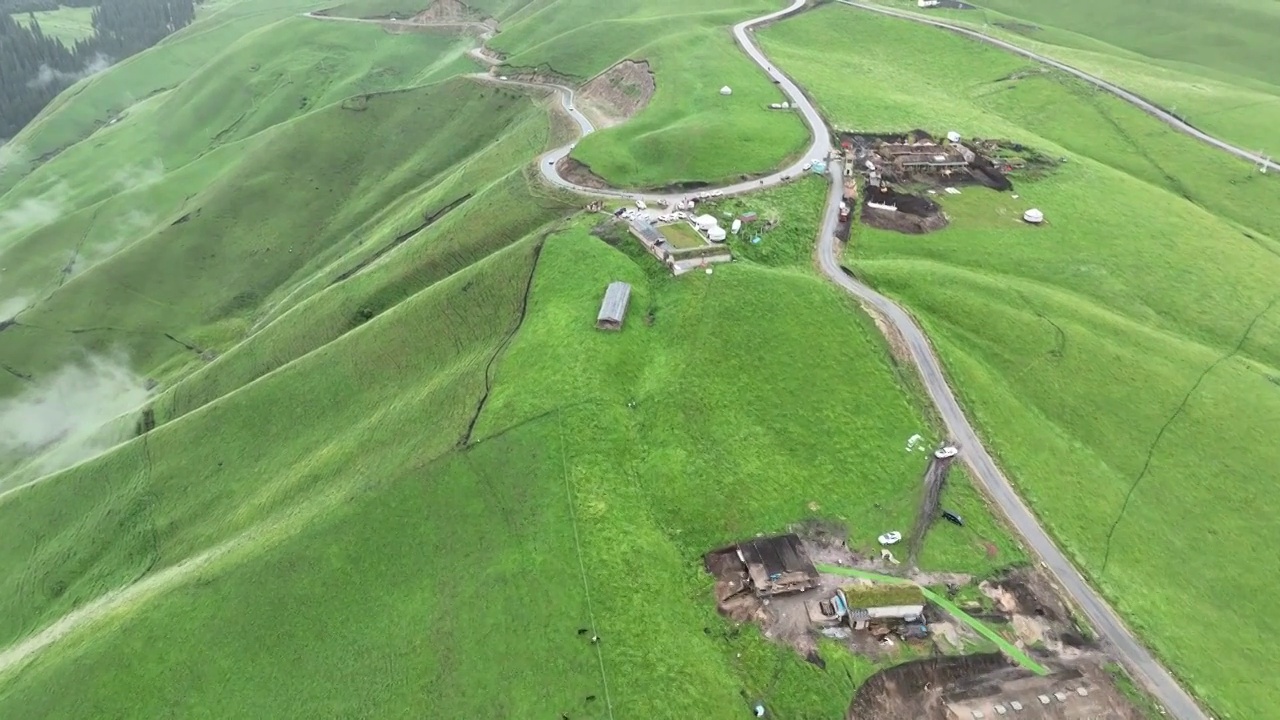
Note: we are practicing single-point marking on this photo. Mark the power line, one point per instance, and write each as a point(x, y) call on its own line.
point(582, 567)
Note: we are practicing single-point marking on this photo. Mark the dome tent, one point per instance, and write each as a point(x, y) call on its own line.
point(1033, 216)
point(726, 90)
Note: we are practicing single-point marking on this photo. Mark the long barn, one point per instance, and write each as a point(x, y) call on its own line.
point(614, 307)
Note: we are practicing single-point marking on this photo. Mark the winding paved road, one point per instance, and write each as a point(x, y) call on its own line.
point(1160, 113)
point(1122, 643)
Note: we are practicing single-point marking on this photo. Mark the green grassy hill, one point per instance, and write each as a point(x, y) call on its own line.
point(1208, 62)
point(394, 465)
point(67, 24)
point(339, 482)
point(688, 132)
point(1122, 360)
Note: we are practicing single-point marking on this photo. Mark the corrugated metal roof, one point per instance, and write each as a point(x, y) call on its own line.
point(614, 306)
point(648, 231)
point(778, 555)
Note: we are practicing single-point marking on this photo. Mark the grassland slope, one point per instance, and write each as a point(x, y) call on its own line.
point(601, 467)
point(1122, 379)
point(400, 456)
point(1202, 61)
point(688, 133)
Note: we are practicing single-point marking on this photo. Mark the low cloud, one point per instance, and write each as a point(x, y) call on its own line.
point(11, 154)
point(46, 75)
point(134, 177)
point(68, 417)
point(34, 212)
point(10, 308)
point(127, 229)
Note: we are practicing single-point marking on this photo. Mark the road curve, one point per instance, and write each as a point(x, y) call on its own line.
point(1159, 113)
point(1123, 644)
point(819, 148)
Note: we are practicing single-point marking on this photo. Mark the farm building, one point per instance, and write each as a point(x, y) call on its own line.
point(765, 566)
point(614, 307)
point(778, 565)
point(882, 604)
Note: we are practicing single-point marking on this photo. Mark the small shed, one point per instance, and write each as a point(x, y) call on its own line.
point(748, 217)
point(893, 603)
point(614, 307)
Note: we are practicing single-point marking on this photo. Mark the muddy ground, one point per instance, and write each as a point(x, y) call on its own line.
point(576, 172)
point(915, 215)
point(617, 94)
point(448, 11)
point(923, 690)
point(1043, 623)
point(1020, 601)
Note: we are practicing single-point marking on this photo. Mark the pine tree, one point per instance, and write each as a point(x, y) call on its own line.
point(34, 67)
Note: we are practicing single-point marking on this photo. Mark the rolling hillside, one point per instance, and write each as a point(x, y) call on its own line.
point(355, 443)
point(1208, 62)
point(688, 132)
point(1123, 360)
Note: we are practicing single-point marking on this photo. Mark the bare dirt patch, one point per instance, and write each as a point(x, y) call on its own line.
point(910, 214)
point(538, 75)
point(1019, 27)
point(448, 11)
point(1035, 612)
point(988, 686)
point(580, 174)
point(618, 93)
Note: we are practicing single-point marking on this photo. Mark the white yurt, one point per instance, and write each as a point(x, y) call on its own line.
point(706, 222)
point(1033, 216)
point(726, 90)
point(716, 234)
point(953, 136)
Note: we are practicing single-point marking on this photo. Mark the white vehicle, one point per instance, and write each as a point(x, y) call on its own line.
point(807, 164)
point(890, 538)
point(640, 205)
point(681, 215)
point(946, 452)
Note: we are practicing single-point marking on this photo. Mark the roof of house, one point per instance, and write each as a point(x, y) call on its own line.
point(615, 302)
point(883, 595)
point(648, 231)
point(778, 555)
